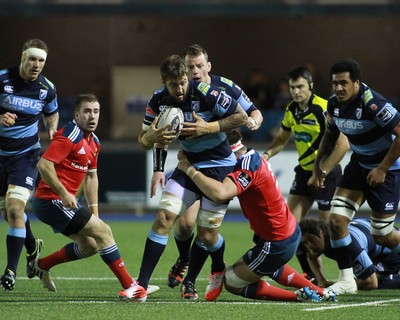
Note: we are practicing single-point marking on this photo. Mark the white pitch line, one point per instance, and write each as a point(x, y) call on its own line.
point(354, 305)
point(100, 279)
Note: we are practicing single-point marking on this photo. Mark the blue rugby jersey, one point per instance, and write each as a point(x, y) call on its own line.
point(360, 231)
point(234, 91)
point(367, 121)
point(211, 103)
point(27, 100)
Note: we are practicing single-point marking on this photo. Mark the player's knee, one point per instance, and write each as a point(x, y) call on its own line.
point(184, 227)
point(337, 224)
point(101, 231)
point(233, 283)
point(184, 231)
point(207, 236)
point(342, 209)
point(88, 247)
point(164, 221)
point(14, 214)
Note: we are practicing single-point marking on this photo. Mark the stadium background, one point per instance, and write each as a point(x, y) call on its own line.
point(114, 49)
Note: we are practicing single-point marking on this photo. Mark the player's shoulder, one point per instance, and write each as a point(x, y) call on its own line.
point(47, 82)
point(370, 97)
point(4, 72)
point(222, 81)
point(250, 161)
point(72, 132)
point(96, 139)
point(8, 73)
point(160, 91)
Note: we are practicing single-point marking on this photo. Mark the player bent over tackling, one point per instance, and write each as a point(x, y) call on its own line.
point(276, 233)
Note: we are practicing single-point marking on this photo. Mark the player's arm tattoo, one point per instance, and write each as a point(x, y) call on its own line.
point(235, 120)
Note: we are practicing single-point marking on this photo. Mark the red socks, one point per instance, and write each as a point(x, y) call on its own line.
point(266, 291)
point(118, 268)
point(291, 278)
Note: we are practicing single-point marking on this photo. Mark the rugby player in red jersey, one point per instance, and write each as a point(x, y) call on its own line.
point(71, 159)
point(276, 233)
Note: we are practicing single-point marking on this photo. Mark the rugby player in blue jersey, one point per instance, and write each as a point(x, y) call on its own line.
point(372, 126)
point(376, 267)
point(199, 67)
point(25, 95)
point(209, 112)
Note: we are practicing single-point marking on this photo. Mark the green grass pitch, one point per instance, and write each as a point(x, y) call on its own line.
point(88, 290)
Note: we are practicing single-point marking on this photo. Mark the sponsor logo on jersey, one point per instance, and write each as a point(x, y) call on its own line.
point(302, 136)
point(348, 124)
point(214, 93)
point(227, 81)
point(389, 206)
point(224, 100)
point(29, 181)
point(367, 96)
point(8, 89)
point(162, 107)
point(19, 103)
point(336, 112)
point(373, 107)
point(82, 151)
point(385, 115)
point(290, 278)
point(358, 113)
point(310, 122)
point(78, 166)
point(323, 202)
point(203, 88)
point(42, 94)
point(244, 180)
point(195, 105)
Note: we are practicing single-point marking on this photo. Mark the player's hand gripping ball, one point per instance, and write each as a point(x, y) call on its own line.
point(171, 116)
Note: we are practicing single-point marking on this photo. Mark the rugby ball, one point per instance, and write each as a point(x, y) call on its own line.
point(171, 116)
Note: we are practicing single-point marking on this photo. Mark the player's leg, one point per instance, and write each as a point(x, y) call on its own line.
point(300, 205)
point(387, 266)
point(15, 207)
point(208, 240)
point(175, 199)
point(300, 201)
point(18, 176)
point(183, 235)
point(242, 281)
point(244, 277)
point(69, 223)
point(345, 204)
point(33, 247)
point(349, 195)
point(384, 202)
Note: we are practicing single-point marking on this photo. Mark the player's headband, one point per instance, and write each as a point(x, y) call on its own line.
point(237, 146)
point(34, 52)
